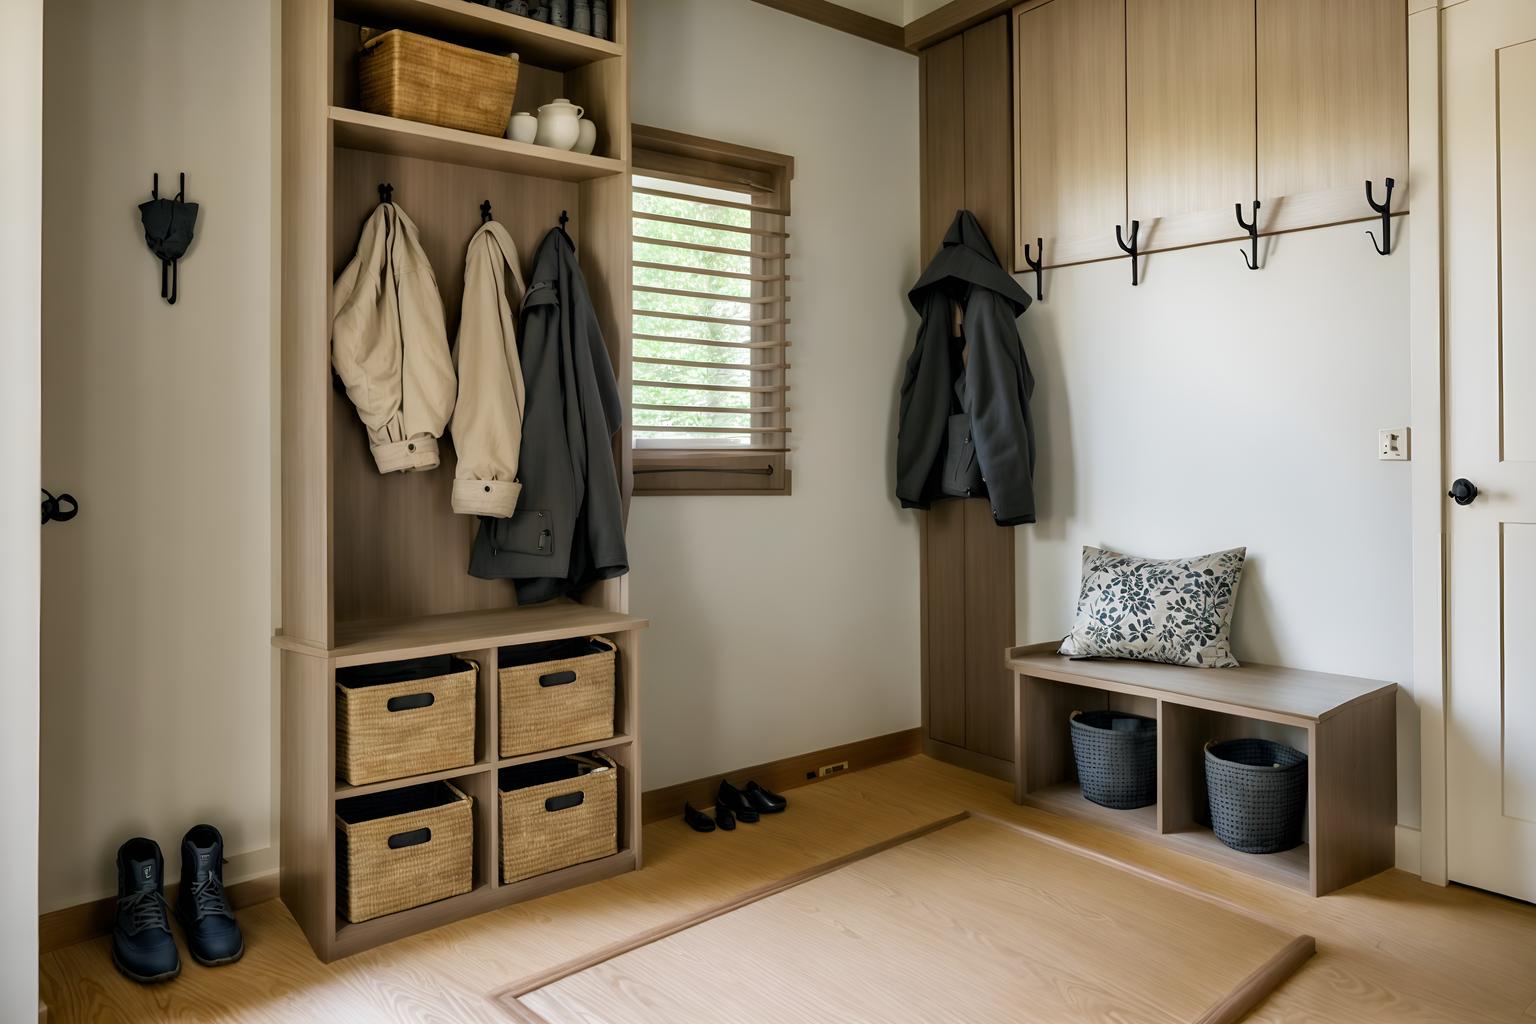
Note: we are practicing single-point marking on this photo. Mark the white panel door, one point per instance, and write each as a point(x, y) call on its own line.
point(1490, 240)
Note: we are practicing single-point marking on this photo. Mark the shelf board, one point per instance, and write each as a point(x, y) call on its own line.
point(577, 748)
point(467, 24)
point(375, 133)
point(353, 938)
point(344, 790)
point(1292, 868)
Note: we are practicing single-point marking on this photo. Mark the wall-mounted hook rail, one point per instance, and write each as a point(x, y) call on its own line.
point(1035, 263)
point(1383, 247)
point(485, 212)
point(54, 510)
point(386, 192)
point(1130, 250)
point(1252, 227)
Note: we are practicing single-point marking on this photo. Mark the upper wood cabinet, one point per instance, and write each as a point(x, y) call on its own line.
point(1069, 128)
point(1332, 108)
point(1190, 127)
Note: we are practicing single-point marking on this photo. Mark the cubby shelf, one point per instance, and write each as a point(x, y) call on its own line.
point(374, 133)
point(474, 25)
point(344, 791)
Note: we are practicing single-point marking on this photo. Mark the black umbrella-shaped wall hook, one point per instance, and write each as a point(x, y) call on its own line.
point(1252, 227)
point(1132, 250)
point(168, 225)
point(1383, 247)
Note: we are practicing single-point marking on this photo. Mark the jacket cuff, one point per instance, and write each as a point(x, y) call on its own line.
point(495, 498)
point(411, 455)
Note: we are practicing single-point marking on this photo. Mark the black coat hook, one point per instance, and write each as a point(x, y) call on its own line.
point(565, 218)
point(1383, 247)
point(54, 510)
point(485, 212)
point(386, 193)
point(1131, 249)
point(1034, 264)
point(168, 229)
point(1252, 227)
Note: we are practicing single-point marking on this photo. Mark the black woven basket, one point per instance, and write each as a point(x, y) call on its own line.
point(1258, 793)
point(1116, 755)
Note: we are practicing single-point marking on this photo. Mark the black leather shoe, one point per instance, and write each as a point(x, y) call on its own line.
point(213, 937)
point(143, 947)
point(735, 801)
point(765, 800)
point(724, 818)
point(697, 819)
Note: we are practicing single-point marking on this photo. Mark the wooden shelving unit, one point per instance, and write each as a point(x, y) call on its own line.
point(1346, 726)
point(374, 567)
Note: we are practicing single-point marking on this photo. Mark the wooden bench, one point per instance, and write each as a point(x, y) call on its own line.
point(1347, 726)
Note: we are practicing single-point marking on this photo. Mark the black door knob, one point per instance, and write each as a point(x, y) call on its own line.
point(1464, 491)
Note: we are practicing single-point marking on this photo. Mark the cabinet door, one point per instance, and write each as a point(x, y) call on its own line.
point(1069, 105)
point(1190, 123)
point(1333, 108)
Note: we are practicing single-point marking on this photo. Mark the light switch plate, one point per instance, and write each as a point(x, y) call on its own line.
point(1392, 444)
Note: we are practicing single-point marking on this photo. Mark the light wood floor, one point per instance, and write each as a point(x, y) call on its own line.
point(1390, 950)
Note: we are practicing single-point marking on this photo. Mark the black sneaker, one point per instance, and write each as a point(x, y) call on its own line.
point(213, 937)
point(143, 947)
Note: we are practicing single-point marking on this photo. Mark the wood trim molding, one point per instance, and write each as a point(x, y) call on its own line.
point(953, 18)
point(785, 773)
point(844, 20)
point(85, 921)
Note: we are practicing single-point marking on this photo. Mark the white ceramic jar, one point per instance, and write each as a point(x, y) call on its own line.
point(586, 140)
point(523, 128)
point(559, 124)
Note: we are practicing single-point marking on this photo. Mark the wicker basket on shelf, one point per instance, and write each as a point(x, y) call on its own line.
point(1116, 755)
point(402, 848)
point(556, 695)
point(557, 813)
point(418, 78)
point(404, 718)
point(1258, 794)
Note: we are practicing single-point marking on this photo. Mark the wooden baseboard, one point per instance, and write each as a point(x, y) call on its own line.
point(971, 760)
point(86, 921)
point(786, 773)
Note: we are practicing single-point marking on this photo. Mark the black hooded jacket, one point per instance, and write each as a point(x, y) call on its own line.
point(965, 427)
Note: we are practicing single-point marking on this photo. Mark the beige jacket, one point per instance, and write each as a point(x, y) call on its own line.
point(389, 343)
point(488, 420)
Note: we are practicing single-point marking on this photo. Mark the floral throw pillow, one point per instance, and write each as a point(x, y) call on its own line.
point(1177, 611)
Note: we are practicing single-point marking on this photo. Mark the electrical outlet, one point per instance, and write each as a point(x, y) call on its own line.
point(831, 769)
point(1392, 444)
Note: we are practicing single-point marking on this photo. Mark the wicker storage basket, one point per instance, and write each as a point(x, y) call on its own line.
point(1116, 754)
point(404, 718)
point(402, 74)
point(1258, 794)
point(557, 813)
point(402, 848)
point(556, 695)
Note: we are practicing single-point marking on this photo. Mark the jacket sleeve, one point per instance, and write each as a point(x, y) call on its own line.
point(999, 385)
point(382, 334)
point(925, 402)
point(488, 418)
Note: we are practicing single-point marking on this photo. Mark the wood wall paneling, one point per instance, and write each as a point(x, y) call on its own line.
point(1190, 118)
point(988, 122)
point(1332, 108)
point(942, 73)
point(1069, 100)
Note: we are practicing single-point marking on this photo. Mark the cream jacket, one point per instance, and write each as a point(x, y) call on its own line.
point(488, 420)
point(389, 343)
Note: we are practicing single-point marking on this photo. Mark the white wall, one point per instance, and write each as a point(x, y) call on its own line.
point(783, 625)
point(21, 177)
point(158, 695)
point(1213, 407)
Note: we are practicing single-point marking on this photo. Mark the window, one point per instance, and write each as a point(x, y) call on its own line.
point(710, 317)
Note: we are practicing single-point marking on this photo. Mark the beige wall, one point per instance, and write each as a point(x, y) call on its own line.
point(157, 672)
point(21, 177)
point(783, 625)
point(1213, 407)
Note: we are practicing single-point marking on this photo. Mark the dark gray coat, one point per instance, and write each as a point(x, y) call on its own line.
point(965, 427)
point(568, 530)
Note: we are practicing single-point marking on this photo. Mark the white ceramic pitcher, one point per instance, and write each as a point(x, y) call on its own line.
point(559, 124)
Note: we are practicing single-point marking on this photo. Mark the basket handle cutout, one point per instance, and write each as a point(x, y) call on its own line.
point(415, 837)
point(565, 801)
point(557, 678)
point(411, 703)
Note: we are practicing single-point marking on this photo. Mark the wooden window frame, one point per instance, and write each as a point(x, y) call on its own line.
point(689, 159)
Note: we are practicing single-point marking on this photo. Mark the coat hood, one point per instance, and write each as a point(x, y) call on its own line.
point(967, 259)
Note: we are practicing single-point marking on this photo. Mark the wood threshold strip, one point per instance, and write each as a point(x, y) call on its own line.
point(669, 243)
point(710, 342)
point(745, 367)
point(745, 300)
point(771, 211)
point(706, 272)
point(740, 410)
point(760, 389)
point(710, 225)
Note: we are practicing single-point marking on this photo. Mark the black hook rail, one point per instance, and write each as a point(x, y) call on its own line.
point(1035, 264)
point(1383, 247)
point(386, 192)
point(485, 212)
point(1252, 227)
point(1130, 250)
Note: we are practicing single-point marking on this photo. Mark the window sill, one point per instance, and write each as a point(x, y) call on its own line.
point(662, 473)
